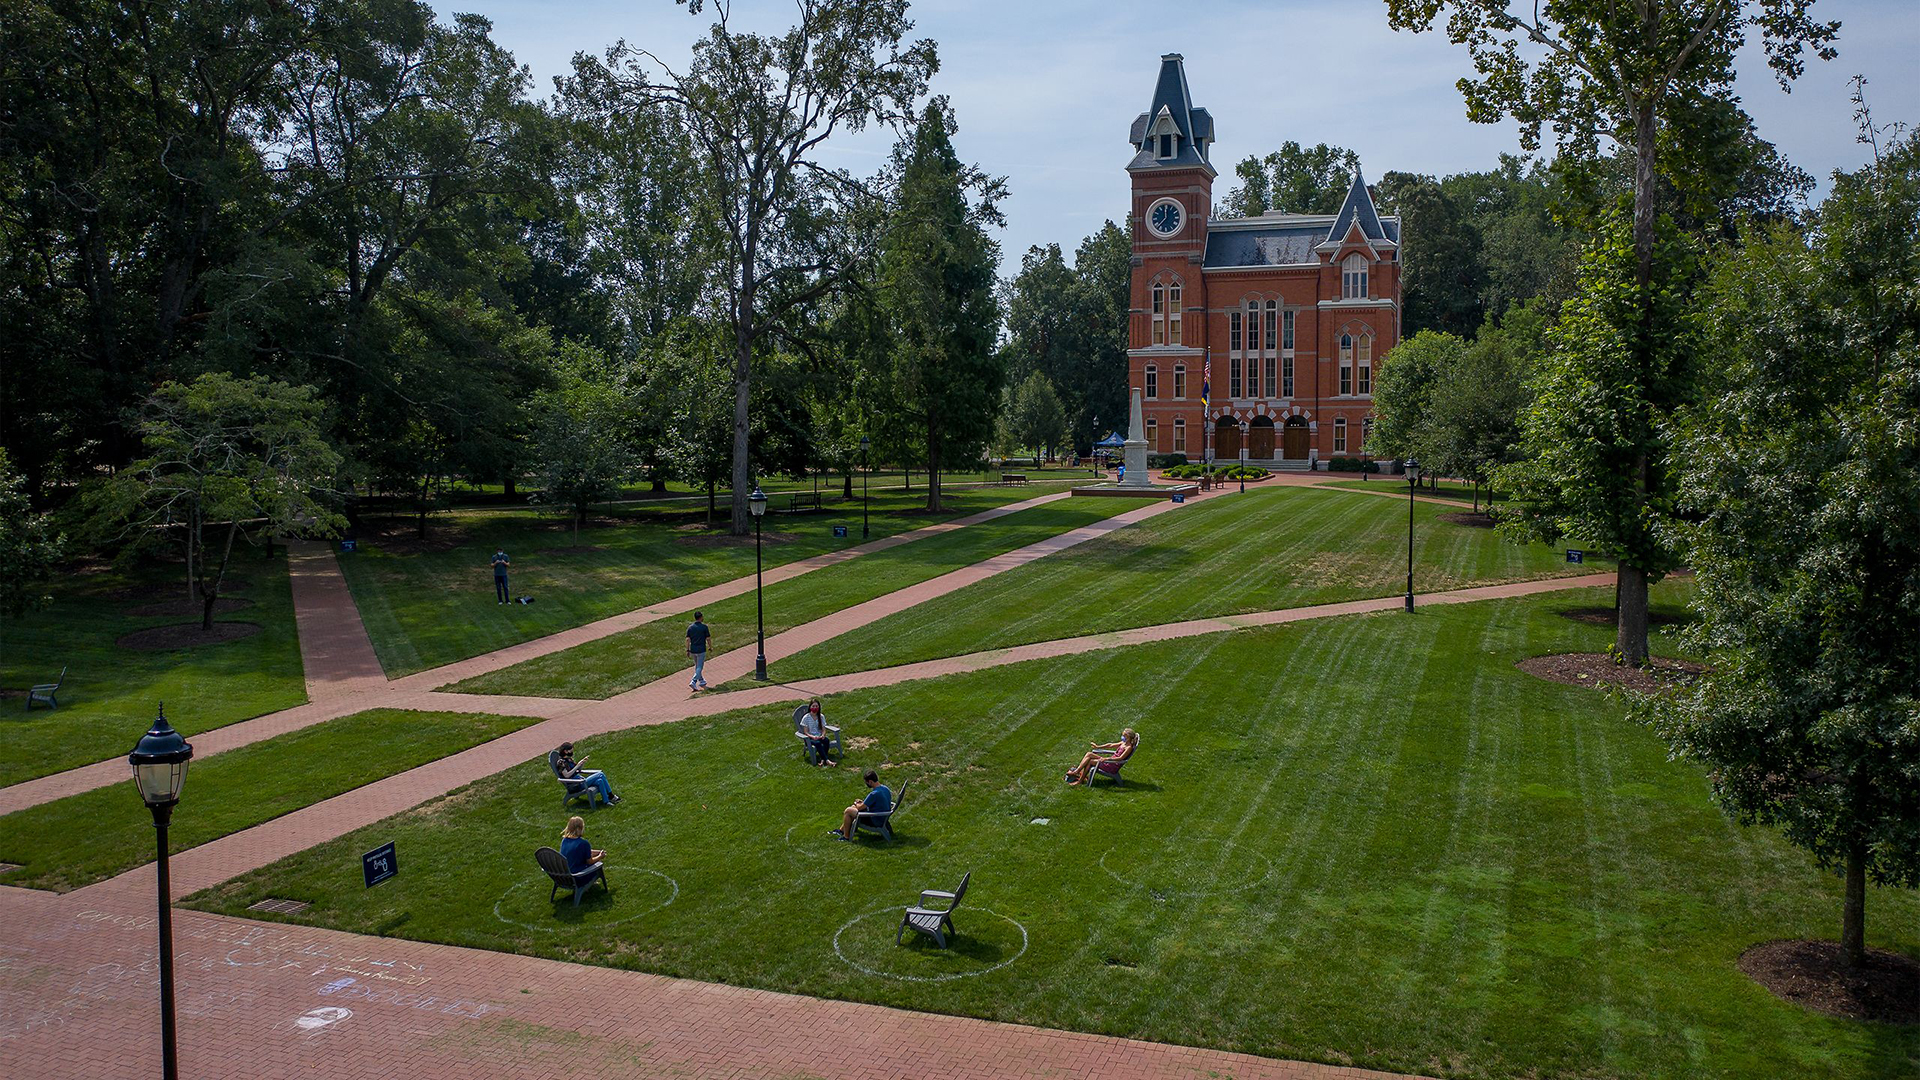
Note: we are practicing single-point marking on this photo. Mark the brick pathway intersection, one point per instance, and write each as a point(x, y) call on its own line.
point(76, 971)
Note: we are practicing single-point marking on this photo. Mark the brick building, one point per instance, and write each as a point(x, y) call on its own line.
point(1288, 314)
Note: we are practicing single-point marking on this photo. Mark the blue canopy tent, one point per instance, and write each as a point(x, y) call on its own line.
point(1113, 441)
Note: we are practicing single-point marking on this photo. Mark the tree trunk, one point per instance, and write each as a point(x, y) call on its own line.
point(659, 486)
point(1853, 919)
point(742, 364)
point(1630, 637)
point(846, 486)
point(933, 466)
point(711, 507)
point(508, 487)
point(210, 595)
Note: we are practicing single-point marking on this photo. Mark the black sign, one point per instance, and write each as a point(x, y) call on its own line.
point(1178, 497)
point(839, 532)
point(349, 545)
point(379, 864)
point(1575, 555)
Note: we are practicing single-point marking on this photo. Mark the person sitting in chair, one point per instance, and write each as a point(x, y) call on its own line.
point(1115, 751)
point(813, 728)
point(571, 772)
point(878, 800)
point(574, 847)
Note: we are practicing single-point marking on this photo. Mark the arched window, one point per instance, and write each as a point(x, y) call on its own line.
point(1179, 435)
point(1353, 277)
point(1339, 434)
point(1159, 314)
point(1346, 363)
point(1180, 381)
point(1153, 381)
point(1286, 354)
point(1173, 313)
point(1235, 345)
point(1166, 312)
point(1363, 360)
point(1273, 340)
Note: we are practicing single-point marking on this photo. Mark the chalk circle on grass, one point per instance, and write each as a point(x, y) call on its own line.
point(637, 892)
point(1187, 870)
point(985, 941)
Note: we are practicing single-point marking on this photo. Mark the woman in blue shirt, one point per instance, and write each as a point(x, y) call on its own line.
point(574, 847)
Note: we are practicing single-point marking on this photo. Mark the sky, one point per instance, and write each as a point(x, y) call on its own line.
point(1044, 90)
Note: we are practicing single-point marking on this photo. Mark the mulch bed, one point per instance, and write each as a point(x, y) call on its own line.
point(1885, 990)
point(1606, 616)
point(185, 636)
point(184, 606)
point(1469, 518)
point(1598, 669)
point(583, 549)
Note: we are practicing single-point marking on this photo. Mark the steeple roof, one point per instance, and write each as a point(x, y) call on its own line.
point(1358, 209)
point(1172, 113)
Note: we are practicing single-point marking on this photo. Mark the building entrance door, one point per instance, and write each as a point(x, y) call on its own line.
point(1226, 440)
point(1260, 440)
point(1294, 439)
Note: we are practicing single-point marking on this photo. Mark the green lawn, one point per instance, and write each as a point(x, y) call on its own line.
point(1366, 840)
point(1267, 549)
point(111, 692)
point(430, 605)
point(600, 669)
point(464, 494)
point(84, 838)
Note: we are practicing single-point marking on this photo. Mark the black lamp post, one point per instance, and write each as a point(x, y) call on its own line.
point(160, 770)
point(757, 502)
point(1413, 480)
point(1093, 451)
point(1245, 432)
point(866, 476)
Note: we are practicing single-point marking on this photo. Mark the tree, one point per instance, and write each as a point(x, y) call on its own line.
point(222, 453)
point(1473, 426)
point(578, 454)
point(937, 289)
point(1403, 392)
point(755, 109)
point(1036, 419)
point(1654, 77)
point(1296, 179)
point(29, 546)
point(1599, 436)
point(1804, 478)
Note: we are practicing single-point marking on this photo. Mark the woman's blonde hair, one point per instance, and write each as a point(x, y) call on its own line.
point(576, 828)
point(1129, 735)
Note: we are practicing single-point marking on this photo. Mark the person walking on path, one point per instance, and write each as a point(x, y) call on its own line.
point(697, 635)
point(500, 565)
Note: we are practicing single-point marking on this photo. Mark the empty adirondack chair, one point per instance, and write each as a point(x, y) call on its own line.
point(575, 789)
point(833, 735)
point(1110, 768)
point(555, 864)
point(47, 693)
point(880, 825)
point(935, 922)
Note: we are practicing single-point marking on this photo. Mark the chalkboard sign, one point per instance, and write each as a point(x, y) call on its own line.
point(349, 545)
point(1575, 555)
point(1179, 497)
point(839, 532)
point(379, 864)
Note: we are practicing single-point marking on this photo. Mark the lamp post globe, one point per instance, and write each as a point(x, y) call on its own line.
point(757, 502)
point(159, 764)
point(1413, 481)
point(866, 476)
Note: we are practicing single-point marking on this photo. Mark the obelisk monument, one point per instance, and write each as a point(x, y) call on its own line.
point(1136, 448)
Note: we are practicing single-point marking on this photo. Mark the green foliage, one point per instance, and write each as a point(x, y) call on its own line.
point(30, 548)
point(1036, 418)
point(1473, 423)
point(1165, 461)
point(937, 290)
point(1352, 464)
point(1804, 480)
point(579, 458)
point(1403, 392)
point(222, 453)
point(1070, 324)
point(1295, 179)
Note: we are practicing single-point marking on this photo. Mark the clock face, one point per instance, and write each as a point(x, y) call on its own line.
point(1164, 217)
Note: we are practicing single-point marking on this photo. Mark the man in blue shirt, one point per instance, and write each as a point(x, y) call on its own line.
point(878, 800)
point(697, 635)
point(500, 564)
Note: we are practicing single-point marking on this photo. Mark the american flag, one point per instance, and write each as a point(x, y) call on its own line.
point(1206, 382)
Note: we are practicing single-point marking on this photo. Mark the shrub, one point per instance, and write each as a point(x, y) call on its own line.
point(1166, 461)
point(1352, 464)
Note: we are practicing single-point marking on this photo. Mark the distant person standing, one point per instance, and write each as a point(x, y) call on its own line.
point(697, 635)
point(500, 565)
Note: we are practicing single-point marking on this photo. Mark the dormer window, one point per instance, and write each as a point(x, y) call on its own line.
point(1353, 277)
point(1166, 146)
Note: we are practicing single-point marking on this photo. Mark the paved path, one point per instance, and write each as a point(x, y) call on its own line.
point(78, 1002)
point(334, 647)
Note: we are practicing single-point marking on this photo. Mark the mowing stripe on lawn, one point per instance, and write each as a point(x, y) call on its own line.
point(75, 841)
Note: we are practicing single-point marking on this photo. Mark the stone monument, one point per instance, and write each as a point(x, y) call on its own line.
point(1136, 448)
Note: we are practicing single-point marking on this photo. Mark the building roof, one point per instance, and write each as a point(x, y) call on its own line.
point(1358, 209)
point(1174, 104)
point(1279, 245)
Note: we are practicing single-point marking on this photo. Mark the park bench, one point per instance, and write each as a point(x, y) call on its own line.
point(803, 501)
point(935, 922)
point(880, 824)
point(555, 864)
point(46, 693)
point(1110, 768)
point(576, 788)
point(833, 735)
point(1013, 478)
